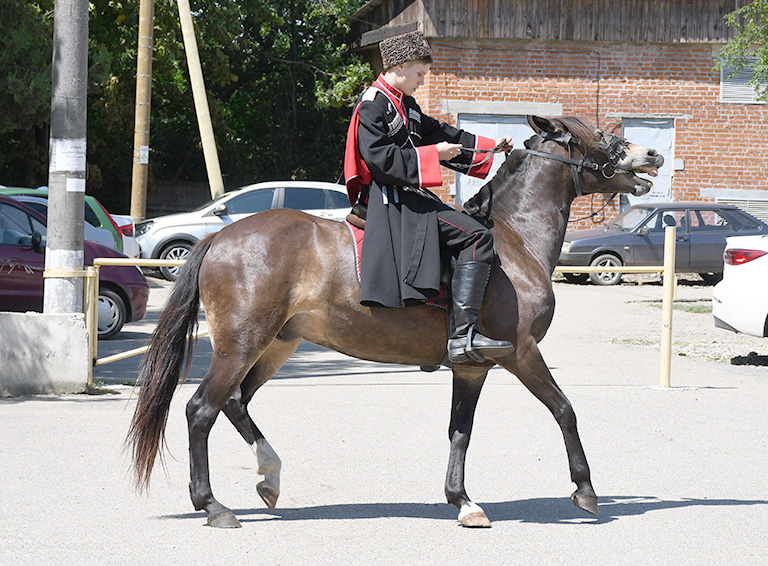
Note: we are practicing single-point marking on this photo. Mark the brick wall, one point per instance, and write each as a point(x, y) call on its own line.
point(721, 144)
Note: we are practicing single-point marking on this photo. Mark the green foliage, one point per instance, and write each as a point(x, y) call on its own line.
point(25, 87)
point(279, 78)
point(749, 46)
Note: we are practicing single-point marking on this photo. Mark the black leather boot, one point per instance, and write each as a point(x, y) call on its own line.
point(465, 341)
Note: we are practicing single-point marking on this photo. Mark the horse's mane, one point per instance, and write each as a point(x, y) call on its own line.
point(479, 206)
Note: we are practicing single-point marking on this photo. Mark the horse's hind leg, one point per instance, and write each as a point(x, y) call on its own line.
point(237, 412)
point(467, 384)
point(220, 383)
point(532, 371)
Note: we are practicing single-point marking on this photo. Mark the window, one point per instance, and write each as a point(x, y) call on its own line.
point(38, 206)
point(16, 226)
point(91, 218)
point(304, 199)
point(664, 218)
point(740, 221)
point(708, 221)
point(735, 90)
point(338, 200)
point(252, 202)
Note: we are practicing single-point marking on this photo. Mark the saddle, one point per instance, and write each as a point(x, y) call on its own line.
point(356, 216)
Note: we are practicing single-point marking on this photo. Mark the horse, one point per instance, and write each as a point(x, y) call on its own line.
point(281, 276)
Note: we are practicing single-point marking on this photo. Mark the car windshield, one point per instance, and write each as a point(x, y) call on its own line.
point(628, 219)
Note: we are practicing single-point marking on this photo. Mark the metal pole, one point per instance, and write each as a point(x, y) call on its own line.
point(201, 101)
point(66, 169)
point(666, 313)
point(142, 113)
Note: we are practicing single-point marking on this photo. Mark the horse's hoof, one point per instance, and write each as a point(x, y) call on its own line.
point(586, 502)
point(473, 516)
point(476, 520)
point(268, 494)
point(224, 520)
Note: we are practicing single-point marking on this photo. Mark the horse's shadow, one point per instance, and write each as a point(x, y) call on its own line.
point(543, 510)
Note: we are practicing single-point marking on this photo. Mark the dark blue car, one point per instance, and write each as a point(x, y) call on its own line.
point(636, 237)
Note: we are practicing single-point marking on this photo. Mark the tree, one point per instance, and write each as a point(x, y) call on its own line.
point(749, 47)
point(279, 76)
point(25, 89)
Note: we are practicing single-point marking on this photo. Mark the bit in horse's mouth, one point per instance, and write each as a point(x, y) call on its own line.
point(651, 170)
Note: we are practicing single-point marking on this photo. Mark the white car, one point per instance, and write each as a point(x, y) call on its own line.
point(172, 236)
point(126, 227)
point(90, 232)
point(740, 300)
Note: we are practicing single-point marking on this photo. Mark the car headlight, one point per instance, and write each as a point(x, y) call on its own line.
point(142, 227)
point(566, 248)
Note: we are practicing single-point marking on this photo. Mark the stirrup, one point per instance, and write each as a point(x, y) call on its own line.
point(468, 352)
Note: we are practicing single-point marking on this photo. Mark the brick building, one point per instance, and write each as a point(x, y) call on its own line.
point(641, 68)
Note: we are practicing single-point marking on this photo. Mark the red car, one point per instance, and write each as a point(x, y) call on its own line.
point(123, 291)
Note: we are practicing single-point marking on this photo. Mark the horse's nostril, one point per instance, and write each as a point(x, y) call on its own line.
point(652, 152)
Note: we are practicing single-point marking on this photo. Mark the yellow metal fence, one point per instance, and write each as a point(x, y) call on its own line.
point(91, 300)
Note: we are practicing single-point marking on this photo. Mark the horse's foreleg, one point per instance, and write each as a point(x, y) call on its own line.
point(237, 412)
point(533, 372)
point(467, 384)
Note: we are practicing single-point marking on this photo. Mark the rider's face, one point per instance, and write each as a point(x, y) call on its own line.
point(409, 76)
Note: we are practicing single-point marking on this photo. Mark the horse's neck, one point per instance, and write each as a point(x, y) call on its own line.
point(536, 210)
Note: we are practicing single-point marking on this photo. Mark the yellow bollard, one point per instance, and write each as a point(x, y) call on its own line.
point(91, 309)
point(668, 297)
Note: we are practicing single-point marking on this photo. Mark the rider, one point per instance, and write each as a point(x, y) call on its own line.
point(393, 154)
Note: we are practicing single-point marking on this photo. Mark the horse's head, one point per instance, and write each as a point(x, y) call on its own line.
point(601, 162)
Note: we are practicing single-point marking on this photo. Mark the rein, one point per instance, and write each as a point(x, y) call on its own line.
point(498, 149)
point(595, 213)
point(612, 144)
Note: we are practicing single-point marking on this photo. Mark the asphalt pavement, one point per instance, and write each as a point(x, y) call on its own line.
point(681, 472)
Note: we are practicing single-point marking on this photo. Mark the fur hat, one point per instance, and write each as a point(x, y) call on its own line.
point(410, 46)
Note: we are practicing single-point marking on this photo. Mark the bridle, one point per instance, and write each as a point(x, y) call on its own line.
point(612, 144)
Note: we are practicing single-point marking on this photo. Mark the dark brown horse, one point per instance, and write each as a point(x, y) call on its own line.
point(279, 277)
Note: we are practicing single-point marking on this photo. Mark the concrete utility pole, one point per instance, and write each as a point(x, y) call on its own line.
point(66, 169)
point(142, 115)
point(201, 100)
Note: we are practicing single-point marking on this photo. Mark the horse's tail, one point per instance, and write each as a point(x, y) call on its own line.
point(160, 368)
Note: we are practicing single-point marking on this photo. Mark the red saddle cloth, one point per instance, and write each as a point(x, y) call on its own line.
point(440, 302)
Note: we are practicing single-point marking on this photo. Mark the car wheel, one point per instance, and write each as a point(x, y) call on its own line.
point(577, 278)
point(111, 314)
point(611, 278)
point(177, 250)
point(711, 278)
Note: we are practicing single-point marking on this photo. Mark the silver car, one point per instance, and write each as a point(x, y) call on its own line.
point(172, 236)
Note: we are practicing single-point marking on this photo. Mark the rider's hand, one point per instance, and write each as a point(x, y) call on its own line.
point(505, 143)
point(447, 151)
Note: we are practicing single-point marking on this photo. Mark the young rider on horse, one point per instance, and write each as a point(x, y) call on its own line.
point(393, 155)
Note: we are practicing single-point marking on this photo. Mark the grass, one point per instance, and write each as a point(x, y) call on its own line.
point(99, 388)
point(693, 307)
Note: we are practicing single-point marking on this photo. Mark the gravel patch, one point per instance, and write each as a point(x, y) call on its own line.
point(693, 330)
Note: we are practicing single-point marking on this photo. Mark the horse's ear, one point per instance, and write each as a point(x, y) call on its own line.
point(539, 124)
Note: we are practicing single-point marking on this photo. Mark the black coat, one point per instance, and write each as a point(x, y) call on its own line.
point(400, 262)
